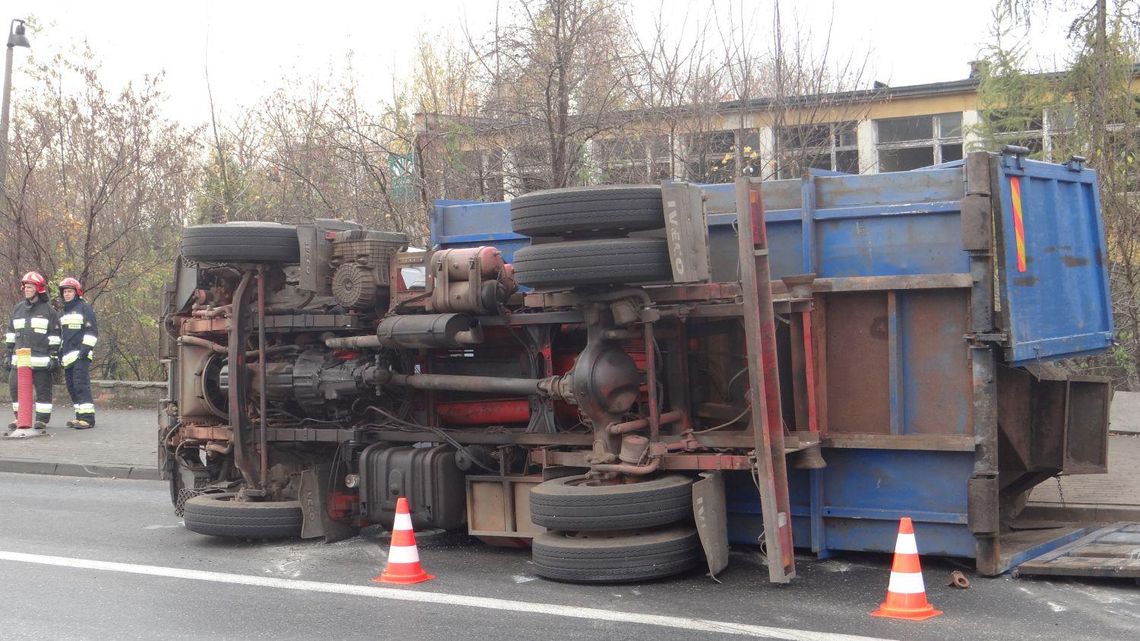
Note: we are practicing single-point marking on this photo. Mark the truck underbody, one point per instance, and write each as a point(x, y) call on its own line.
point(611, 413)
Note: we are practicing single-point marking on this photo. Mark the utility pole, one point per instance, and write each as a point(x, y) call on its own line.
point(16, 38)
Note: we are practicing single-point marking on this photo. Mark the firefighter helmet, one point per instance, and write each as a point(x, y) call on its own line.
point(72, 283)
point(35, 278)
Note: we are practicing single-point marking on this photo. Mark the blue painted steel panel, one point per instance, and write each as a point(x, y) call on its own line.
point(862, 495)
point(472, 223)
point(900, 224)
point(1056, 303)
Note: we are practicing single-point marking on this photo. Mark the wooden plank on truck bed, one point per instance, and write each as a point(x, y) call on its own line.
point(1112, 551)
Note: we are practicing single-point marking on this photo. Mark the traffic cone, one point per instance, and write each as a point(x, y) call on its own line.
point(403, 557)
point(906, 593)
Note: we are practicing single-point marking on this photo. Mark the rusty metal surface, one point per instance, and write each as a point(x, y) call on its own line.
point(977, 225)
point(806, 324)
point(239, 383)
point(764, 382)
point(1015, 417)
point(262, 382)
point(711, 517)
point(682, 293)
point(819, 358)
point(704, 462)
point(916, 442)
point(280, 323)
point(936, 390)
point(857, 391)
point(879, 283)
point(500, 506)
point(687, 232)
point(205, 432)
point(1050, 421)
point(1086, 436)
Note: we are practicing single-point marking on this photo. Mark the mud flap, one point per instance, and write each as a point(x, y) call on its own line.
point(712, 520)
point(316, 522)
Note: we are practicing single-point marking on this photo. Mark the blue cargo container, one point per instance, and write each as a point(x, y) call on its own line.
point(941, 297)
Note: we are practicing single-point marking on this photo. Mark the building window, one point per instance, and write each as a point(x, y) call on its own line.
point(631, 161)
point(711, 157)
point(919, 141)
point(1058, 132)
point(532, 168)
point(831, 146)
point(1023, 129)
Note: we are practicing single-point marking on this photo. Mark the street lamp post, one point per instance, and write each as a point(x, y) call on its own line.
point(16, 38)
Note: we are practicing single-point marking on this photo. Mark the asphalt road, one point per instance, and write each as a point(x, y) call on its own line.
point(84, 558)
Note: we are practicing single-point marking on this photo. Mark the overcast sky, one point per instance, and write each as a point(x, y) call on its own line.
point(250, 45)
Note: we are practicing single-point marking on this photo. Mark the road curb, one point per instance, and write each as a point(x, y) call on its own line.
point(75, 469)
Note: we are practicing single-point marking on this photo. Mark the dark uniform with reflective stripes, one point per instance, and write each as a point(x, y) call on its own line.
point(80, 334)
point(35, 325)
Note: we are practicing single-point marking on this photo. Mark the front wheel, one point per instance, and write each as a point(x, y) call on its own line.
point(224, 515)
point(241, 242)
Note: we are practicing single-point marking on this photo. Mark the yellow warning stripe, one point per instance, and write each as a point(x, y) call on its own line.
point(1018, 222)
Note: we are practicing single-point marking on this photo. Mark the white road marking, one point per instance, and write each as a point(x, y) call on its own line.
point(160, 527)
point(439, 598)
point(1056, 607)
point(522, 578)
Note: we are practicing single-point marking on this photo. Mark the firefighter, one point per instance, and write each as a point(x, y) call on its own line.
point(80, 334)
point(34, 325)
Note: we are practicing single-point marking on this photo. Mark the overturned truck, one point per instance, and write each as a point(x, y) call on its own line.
point(629, 378)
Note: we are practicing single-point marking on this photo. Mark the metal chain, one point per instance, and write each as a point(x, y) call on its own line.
point(1060, 490)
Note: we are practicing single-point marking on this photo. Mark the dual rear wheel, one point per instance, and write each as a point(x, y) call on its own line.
point(604, 533)
point(591, 224)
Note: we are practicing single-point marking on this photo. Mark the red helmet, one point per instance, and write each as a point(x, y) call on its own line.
point(72, 283)
point(35, 278)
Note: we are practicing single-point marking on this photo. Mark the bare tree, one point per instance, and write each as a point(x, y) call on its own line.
point(810, 96)
point(556, 79)
point(103, 182)
point(676, 84)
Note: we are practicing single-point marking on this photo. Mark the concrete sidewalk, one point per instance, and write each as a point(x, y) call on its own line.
point(124, 444)
point(1095, 497)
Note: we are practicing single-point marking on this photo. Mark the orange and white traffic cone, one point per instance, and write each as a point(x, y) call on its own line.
point(403, 557)
point(906, 593)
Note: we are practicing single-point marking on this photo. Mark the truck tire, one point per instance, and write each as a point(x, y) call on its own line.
point(222, 515)
point(241, 242)
point(572, 503)
point(615, 261)
point(595, 211)
point(615, 557)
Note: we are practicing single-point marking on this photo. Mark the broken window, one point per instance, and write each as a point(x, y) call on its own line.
point(829, 146)
point(635, 160)
point(532, 167)
point(473, 175)
point(919, 141)
point(1021, 128)
point(711, 157)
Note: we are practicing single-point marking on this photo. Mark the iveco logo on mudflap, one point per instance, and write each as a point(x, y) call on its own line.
point(674, 234)
point(308, 262)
